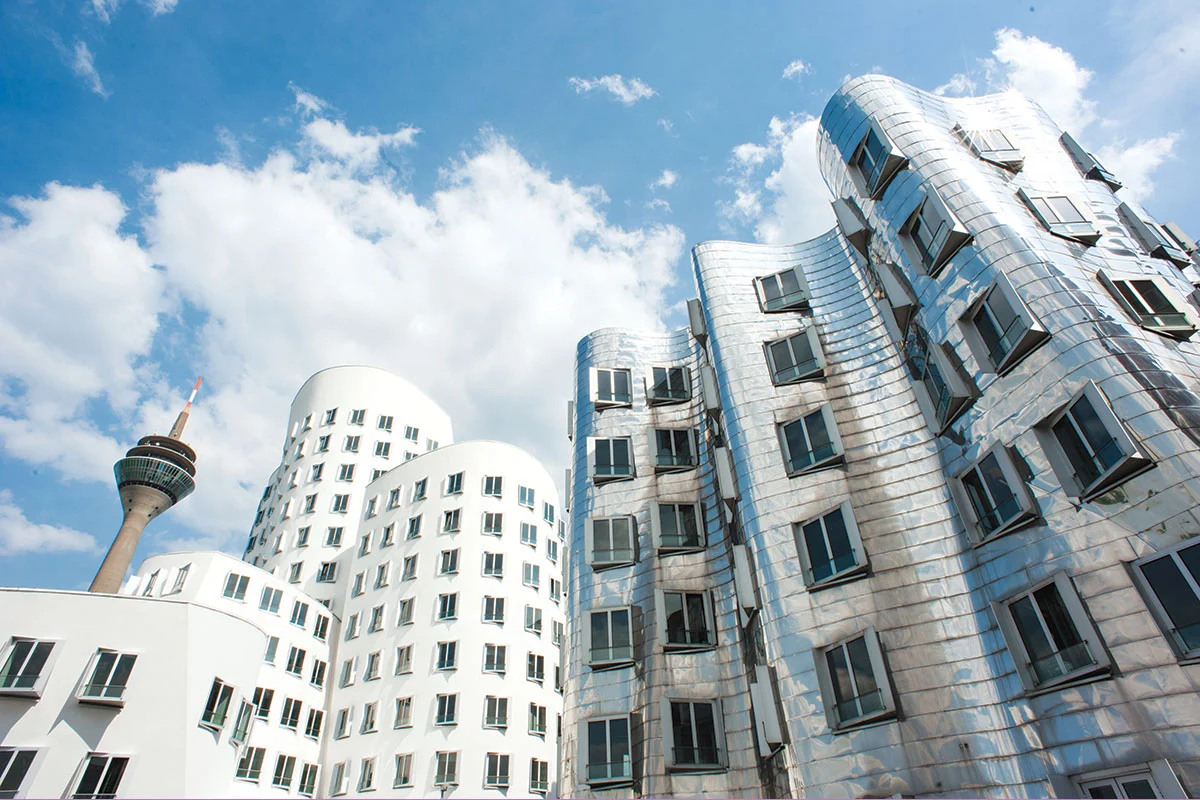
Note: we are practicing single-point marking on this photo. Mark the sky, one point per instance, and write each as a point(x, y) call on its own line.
point(457, 192)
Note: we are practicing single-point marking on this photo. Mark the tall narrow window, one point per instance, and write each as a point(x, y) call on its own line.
point(1152, 303)
point(1061, 216)
point(446, 709)
point(308, 780)
point(1171, 583)
point(446, 769)
point(694, 737)
point(608, 751)
point(1099, 453)
point(932, 234)
point(495, 774)
point(539, 776)
point(404, 707)
point(854, 683)
point(217, 707)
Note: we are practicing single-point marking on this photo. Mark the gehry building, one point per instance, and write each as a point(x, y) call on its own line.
point(394, 629)
point(909, 509)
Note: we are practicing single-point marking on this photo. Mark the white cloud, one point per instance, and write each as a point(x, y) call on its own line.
point(659, 204)
point(159, 7)
point(306, 102)
point(355, 150)
point(19, 535)
point(83, 64)
point(667, 126)
point(104, 9)
point(624, 91)
point(750, 155)
point(1134, 164)
point(1045, 73)
point(666, 180)
point(959, 85)
point(797, 69)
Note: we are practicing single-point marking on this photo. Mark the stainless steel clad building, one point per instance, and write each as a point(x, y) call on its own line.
point(909, 508)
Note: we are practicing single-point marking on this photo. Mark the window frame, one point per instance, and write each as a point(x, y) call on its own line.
point(1009, 158)
point(249, 766)
point(613, 399)
point(960, 394)
point(445, 712)
point(20, 763)
point(93, 669)
point(590, 549)
point(1154, 601)
point(879, 673)
point(817, 372)
point(494, 615)
point(861, 562)
point(873, 186)
point(103, 779)
point(1027, 510)
point(445, 768)
point(942, 247)
point(613, 659)
point(786, 302)
point(1181, 329)
point(668, 728)
point(668, 396)
point(495, 718)
point(1032, 337)
point(674, 461)
point(608, 779)
point(1085, 232)
point(707, 609)
point(1162, 778)
point(838, 455)
point(1087, 163)
point(216, 708)
point(614, 472)
point(656, 527)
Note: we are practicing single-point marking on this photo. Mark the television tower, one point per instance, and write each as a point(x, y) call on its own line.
point(153, 476)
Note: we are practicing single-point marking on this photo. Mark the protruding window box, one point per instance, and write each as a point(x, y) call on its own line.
point(611, 459)
point(855, 687)
point(694, 735)
point(830, 548)
point(108, 675)
point(1150, 235)
point(932, 234)
point(795, 358)
point(609, 637)
point(685, 621)
point(993, 497)
point(993, 146)
point(1170, 582)
point(669, 386)
point(1151, 301)
point(611, 388)
point(874, 161)
point(941, 391)
point(675, 450)
point(612, 542)
point(1091, 168)
point(1061, 216)
point(1000, 329)
point(811, 442)
point(783, 291)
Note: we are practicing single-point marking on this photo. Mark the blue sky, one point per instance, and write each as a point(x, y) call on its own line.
point(456, 192)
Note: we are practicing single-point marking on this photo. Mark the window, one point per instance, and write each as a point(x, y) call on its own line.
point(533, 619)
point(331, 416)
point(352, 627)
point(235, 586)
point(405, 616)
point(345, 472)
point(494, 657)
point(529, 534)
point(495, 712)
point(611, 459)
point(315, 474)
point(313, 728)
point(302, 536)
point(669, 385)
point(783, 291)
point(290, 717)
point(493, 486)
point(14, 766)
point(333, 537)
point(310, 504)
point(308, 780)
point(414, 528)
point(382, 572)
point(272, 649)
point(349, 671)
point(674, 450)
point(795, 358)
point(452, 520)
point(295, 663)
point(694, 733)
point(250, 766)
point(1050, 636)
point(810, 442)
point(296, 572)
point(556, 635)
point(496, 771)
point(404, 707)
point(1155, 779)
point(321, 629)
point(686, 619)
point(411, 433)
point(531, 575)
point(997, 500)
point(351, 444)
point(446, 773)
point(493, 523)
point(548, 512)
point(493, 610)
point(946, 395)
point(339, 779)
point(345, 721)
point(535, 668)
point(454, 483)
point(992, 145)
point(854, 684)
point(369, 714)
point(552, 550)
point(419, 489)
point(388, 537)
point(525, 496)
point(1087, 163)
point(404, 764)
point(366, 775)
point(341, 503)
point(449, 562)
point(932, 234)
point(1061, 216)
point(181, 578)
point(241, 725)
point(447, 655)
point(447, 606)
point(555, 589)
point(539, 776)
point(393, 498)
point(1000, 329)
point(493, 565)
point(875, 161)
point(299, 613)
point(318, 673)
point(610, 637)
point(358, 416)
point(612, 542)
point(611, 387)
point(678, 527)
point(830, 549)
point(608, 754)
point(1152, 303)
point(404, 655)
point(409, 571)
point(322, 444)
point(217, 706)
point(1170, 581)
point(385, 423)
point(376, 620)
point(327, 572)
point(262, 702)
point(109, 675)
point(1089, 448)
point(446, 707)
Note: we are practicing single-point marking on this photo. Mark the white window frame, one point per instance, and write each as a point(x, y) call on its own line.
point(1090, 638)
point(674, 460)
point(404, 769)
point(493, 610)
point(838, 455)
point(529, 534)
point(590, 553)
point(249, 767)
point(383, 449)
point(533, 619)
point(890, 161)
point(493, 523)
point(495, 712)
point(314, 723)
point(853, 572)
point(370, 720)
point(979, 526)
point(366, 775)
point(537, 720)
point(446, 656)
point(949, 235)
point(612, 399)
point(983, 144)
point(656, 527)
point(668, 727)
point(493, 486)
point(622, 775)
point(539, 776)
point(446, 768)
point(307, 786)
point(710, 628)
point(667, 395)
point(612, 656)
point(404, 713)
point(110, 759)
point(1024, 334)
point(496, 570)
point(535, 667)
point(531, 575)
point(879, 674)
point(1085, 232)
point(106, 692)
point(612, 472)
point(813, 369)
point(409, 568)
point(1159, 774)
point(776, 300)
point(339, 779)
point(447, 608)
point(1155, 603)
point(385, 422)
point(445, 710)
point(499, 658)
point(345, 723)
point(1179, 323)
point(216, 708)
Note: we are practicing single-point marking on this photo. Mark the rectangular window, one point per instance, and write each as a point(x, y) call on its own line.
point(493, 565)
point(331, 416)
point(313, 728)
point(383, 449)
point(1152, 303)
point(371, 673)
point(810, 442)
point(997, 500)
point(454, 483)
point(321, 629)
point(419, 489)
point(315, 475)
point(310, 503)
point(795, 358)
point(333, 536)
point(369, 713)
point(531, 575)
point(302, 536)
point(345, 721)
point(945, 391)
point(830, 549)
point(366, 775)
point(404, 707)
point(555, 589)
point(1133, 784)
point(393, 498)
point(529, 534)
point(270, 600)
point(351, 444)
point(345, 472)
point(493, 523)
point(327, 572)
point(446, 773)
point(610, 637)
point(1004, 330)
point(494, 657)
point(548, 513)
point(932, 234)
point(552, 550)
point(495, 712)
point(674, 450)
point(493, 610)
point(404, 655)
point(669, 385)
point(109, 676)
point(216, 709)
point(608, 752)
point(783, 291)
point(404, 765)
point(290, 717)
point(409, 571)
point(388, 537)
point(1061, 216)
point(533, 619)
point(452, 520)
point(525, 496)
point(694, 736)
point(341, 504)
point(405, 616)
point(1170, 581)
point(612, 388)
point(446, 709)
point(385, 423)
point(612, 459)
point(535, 668)
point(539, 776)
point(1089, 448)
point(299, 613)
point(295, 663)
point(296, 572)
point(181, 576)
point(414, 528)
point(449, 562)
point(241, 727)
point(447, 655)
point(496, 771)
point(854, 684)
point(992, 145)
point(322, 444)
point(687, 620)
point(339, 779)
point(382, 573)
point(447, 606)
point(493, 486)
point(249, 768)
point(308, 780)
point(612, 542)
point(556, 635)
point(262, 702)
point(679, 527)
point(411, 433)
point(875, 160)
point(1050, 636)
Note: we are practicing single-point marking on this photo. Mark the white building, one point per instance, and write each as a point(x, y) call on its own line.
point(407, 641)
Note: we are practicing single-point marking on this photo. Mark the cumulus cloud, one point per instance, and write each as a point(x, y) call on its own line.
point(666, 180)
point(83, 64)
point(659, 204)
point(1135, 163)
point(474, 293)
point(959, 85)
point(796, 70)
point(18, 535)
point(306, 102)
point(1048, 74)
point(355, 150)
point(667, 126)
point(104, 9)
point(624, 91)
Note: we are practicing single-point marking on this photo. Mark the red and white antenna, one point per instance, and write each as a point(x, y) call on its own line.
point(181, 420)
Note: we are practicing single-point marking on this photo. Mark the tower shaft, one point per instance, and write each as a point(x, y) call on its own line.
point(142, 504)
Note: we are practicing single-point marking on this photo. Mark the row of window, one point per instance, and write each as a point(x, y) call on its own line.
point(27, 662)
point(445, 659)
point(260, 709)
point(448, 565)
point(358, 416)
point(612, 388)
point(445, 712)
point(445, 774)
point(98, 776)
point(270, 600)
point(446, 609)
point(250, 767)
point(693, 739)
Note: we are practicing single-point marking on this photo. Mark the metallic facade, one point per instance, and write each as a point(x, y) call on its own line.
point(943, 227)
